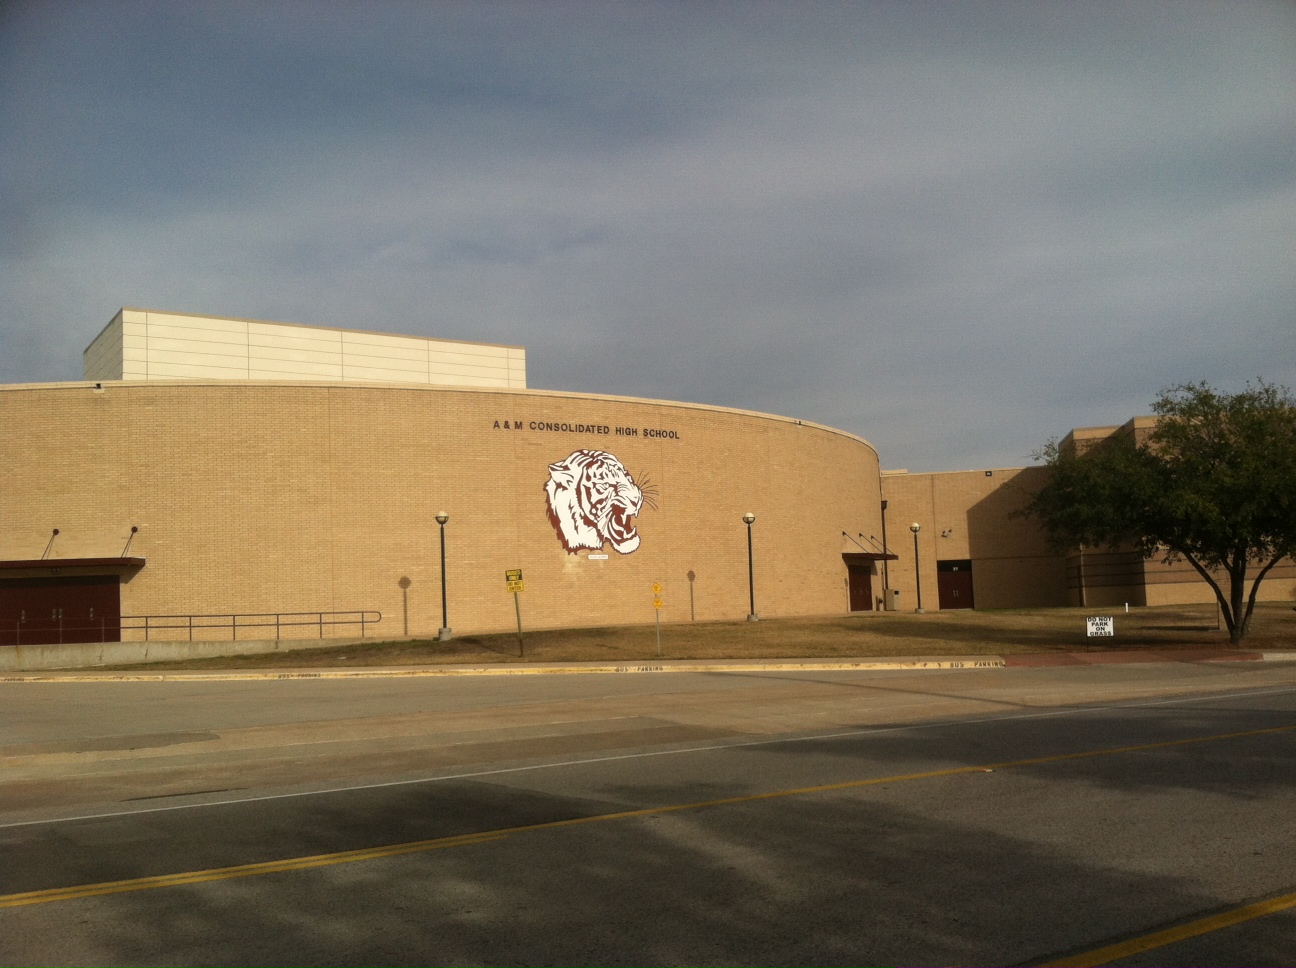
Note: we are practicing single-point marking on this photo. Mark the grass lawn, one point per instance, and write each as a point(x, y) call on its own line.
point(862, 635)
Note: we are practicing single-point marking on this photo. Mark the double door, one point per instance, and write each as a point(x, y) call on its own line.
point(48, 611)
point(954, 584)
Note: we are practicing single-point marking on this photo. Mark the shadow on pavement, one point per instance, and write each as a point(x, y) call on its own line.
point(996, 868)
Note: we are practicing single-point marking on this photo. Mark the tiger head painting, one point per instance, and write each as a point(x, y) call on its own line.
point(593, 501)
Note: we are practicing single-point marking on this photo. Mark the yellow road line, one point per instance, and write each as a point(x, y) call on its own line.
point(421, 846)
point(242, 870)
point(1159, 939)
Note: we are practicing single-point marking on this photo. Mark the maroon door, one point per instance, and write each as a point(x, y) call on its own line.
point(46, 611)
point(954, 584)
point(861, 588)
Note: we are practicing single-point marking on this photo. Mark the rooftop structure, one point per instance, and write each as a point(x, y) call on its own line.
point(144, 344)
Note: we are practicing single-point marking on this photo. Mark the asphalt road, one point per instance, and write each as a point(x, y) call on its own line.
point(1010, 816)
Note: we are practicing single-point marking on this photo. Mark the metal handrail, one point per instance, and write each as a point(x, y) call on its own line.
point(65, 630)
point(248, 620)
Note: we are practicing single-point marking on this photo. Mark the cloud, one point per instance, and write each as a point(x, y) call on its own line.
point(956, 230)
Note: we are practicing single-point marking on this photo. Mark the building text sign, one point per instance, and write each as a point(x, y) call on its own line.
point(580, 427)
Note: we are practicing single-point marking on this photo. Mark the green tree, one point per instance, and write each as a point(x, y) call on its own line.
point(1213, 484)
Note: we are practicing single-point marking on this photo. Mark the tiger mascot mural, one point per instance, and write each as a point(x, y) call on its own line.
point(593, 501)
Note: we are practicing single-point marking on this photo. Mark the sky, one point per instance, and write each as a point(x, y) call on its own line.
point(956, 229)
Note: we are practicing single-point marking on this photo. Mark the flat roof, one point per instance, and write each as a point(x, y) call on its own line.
point(276, 322)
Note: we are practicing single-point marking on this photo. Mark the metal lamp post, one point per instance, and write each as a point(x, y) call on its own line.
point(444, 633)
point(748, 518)
point(886, 573)
point(915, 528)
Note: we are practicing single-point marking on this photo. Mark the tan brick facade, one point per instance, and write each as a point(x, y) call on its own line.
point(208, 498)
point(287, 497)
point(966, 516)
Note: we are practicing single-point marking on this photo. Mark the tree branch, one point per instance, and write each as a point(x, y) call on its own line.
point(1229, 621)
point(1255, 587)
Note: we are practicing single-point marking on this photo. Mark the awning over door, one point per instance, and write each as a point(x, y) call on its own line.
point(71, 566)
point(864, 557)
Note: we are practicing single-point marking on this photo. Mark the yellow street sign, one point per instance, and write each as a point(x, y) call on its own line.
point(657, 603)
point(513, 574)
point(656, 588)
point(515, 586)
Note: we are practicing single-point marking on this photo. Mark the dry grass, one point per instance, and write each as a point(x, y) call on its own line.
point(854, 636)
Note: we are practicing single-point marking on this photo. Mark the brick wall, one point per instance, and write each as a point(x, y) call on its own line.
point(967, 515)
point(270, 497)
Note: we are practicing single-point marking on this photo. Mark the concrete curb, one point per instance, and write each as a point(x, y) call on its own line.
point(520, 669)
point(676, 665)
point(1131, 657)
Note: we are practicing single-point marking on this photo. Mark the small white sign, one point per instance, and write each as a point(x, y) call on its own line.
point(1101, 625)
point(597, 557)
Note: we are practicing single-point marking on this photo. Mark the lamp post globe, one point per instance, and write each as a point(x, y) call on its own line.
point(915, 528)
point(443, 634)
point(748, 519)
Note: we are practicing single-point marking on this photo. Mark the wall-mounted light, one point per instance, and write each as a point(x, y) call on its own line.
point(947, 532)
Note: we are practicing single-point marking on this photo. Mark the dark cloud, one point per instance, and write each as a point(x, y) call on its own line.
point(955, 229)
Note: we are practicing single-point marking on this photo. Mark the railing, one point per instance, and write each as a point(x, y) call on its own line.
point(151, 624)
point(59, 632)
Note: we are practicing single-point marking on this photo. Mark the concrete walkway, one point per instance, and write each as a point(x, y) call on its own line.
point(897, 664)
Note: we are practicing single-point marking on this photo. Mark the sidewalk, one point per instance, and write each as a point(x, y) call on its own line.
point(895, 664)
